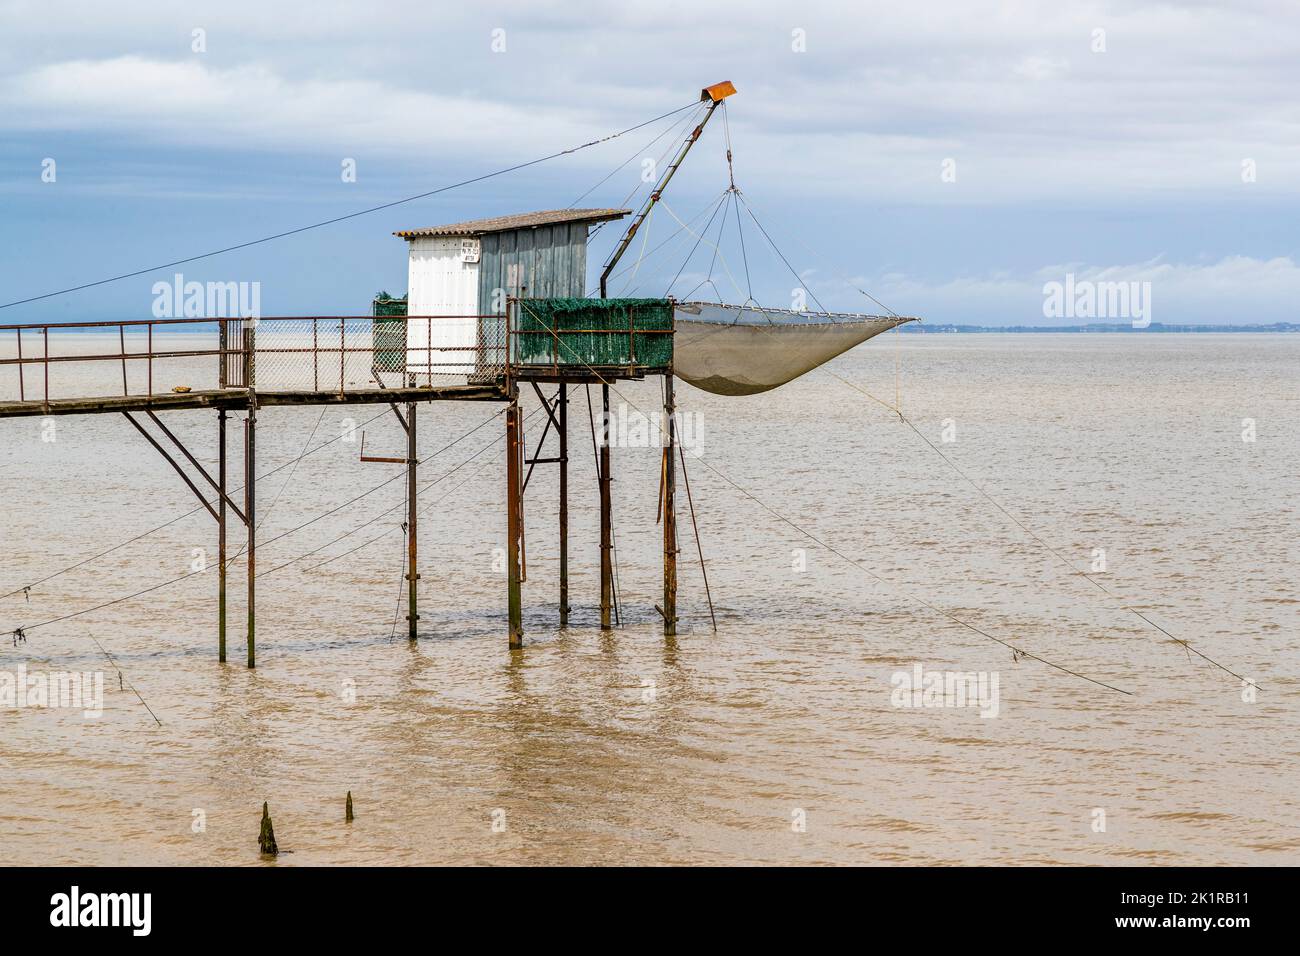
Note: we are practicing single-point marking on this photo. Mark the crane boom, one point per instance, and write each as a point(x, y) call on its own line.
point(714, 95)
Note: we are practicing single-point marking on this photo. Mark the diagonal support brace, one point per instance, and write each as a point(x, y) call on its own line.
point(172, 461)
point(194, 461)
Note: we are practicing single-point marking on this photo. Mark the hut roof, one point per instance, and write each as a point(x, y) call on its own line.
point(527, 220)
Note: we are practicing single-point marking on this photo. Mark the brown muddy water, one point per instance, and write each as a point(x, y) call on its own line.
point(773, 741)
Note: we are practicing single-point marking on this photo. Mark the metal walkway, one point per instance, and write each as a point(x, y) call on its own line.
point(229, 364)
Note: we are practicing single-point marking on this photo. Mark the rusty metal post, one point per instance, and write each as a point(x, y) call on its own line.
point(513, 522)
point(606, 524)
point(22, 391)
point(562, 399)
point(411, 575)
point(221, 536)
point(670, 510)
point(250, 515)
point(250, 357)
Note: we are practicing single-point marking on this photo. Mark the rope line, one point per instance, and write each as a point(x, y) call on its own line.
point(1060, 557)
point(853, 285)
point(797, 277)
point(243, 546)
point(1015, 648)
point(691, 119)
point(678, 128)
point(420, 491)
point(344, 218)
point(190, 574)
point(740, 234)
point(716, 206)
point(717, 252)
point(401, 504)
point(621, 166)
point(121, 678)
point(676, 232)
point(645, 238)
point(167, 524)
point(1069, 565)
point(382, 484)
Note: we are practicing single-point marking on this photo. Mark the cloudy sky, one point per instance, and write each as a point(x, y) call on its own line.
point(948, 157)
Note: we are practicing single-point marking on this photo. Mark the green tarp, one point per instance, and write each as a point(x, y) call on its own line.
point(390, 336)
point(595, 332)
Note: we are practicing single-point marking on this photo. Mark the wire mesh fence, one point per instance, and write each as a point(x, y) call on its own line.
point(347, 353)
point(41, 363)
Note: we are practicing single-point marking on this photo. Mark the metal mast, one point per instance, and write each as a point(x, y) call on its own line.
point(714, 95)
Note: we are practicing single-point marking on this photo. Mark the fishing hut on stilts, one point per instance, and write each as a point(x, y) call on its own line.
point(494, 306)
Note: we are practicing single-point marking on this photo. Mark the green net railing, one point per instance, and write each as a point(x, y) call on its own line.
point(595, 332)
point(390, 336)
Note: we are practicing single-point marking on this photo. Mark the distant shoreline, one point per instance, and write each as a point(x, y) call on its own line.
point(917, 328)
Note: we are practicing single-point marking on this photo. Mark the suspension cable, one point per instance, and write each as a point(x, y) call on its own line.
point(645, 238)
point(1069, 565)
point(266, 513)
point(382, 484)
point(190, 574)
point(717, 252)
point(421, 511)
point(740, 234)
point(676, 232)
point(351, 215)
point(401, 504)
point(167, 524)
point(853, 285)
point(716, 206)
point(667, 129)
point(797, 278)
point(1015, 648)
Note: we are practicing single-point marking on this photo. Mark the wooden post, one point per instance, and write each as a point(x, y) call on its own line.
point(266, 836)
point(562, 399)
point(606, 531)
point(411, 575)
point(250, 516)
point(670, 510)
point(221, 535)
point(513, 494)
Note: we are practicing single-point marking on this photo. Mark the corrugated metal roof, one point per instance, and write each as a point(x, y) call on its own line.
point(527, 220)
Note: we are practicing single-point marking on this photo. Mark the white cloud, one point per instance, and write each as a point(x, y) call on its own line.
point(188, 103)
point(1013, 92)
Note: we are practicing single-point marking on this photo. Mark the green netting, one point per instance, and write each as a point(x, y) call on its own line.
point(389, 336)
point(596, 332)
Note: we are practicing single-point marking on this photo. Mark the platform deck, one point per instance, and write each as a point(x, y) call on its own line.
point(238, 399)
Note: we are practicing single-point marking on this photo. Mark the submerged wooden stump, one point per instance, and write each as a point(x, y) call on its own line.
point(266, 839)
point(347, 810)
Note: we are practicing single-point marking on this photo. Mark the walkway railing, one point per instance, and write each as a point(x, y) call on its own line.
point(48, 361)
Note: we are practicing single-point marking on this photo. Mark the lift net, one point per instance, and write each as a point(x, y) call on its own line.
point(744, 350)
